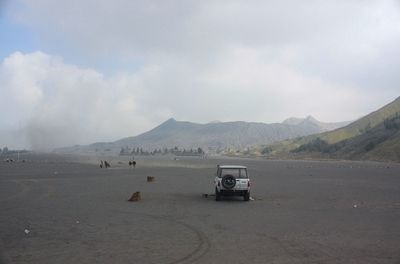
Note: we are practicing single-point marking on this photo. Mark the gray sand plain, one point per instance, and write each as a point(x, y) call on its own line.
point(303, 212)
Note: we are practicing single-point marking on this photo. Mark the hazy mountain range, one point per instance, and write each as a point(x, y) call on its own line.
point(214, 136)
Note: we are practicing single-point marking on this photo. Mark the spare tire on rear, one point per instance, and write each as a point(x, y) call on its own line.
point(228, 181)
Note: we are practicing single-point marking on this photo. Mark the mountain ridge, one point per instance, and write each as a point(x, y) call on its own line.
point(213, 137)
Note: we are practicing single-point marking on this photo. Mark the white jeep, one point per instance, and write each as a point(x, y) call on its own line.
point(232, 180)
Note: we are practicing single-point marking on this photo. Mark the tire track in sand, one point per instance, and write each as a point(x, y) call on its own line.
point(203, 243)
point(202, 248)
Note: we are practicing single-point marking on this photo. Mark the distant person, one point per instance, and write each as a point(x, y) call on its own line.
point(101, 164)
point(132, 163)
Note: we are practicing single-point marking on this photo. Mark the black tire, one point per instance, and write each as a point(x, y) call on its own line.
point(228, 181)
point(246, 196)
point(217, 195)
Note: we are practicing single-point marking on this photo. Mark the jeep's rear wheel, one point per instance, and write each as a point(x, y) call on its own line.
point(217, 195)
point(246, 196)
point(228, 181)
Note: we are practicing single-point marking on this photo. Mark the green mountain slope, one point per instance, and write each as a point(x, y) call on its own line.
point(363, 124)
point(380, 143)
point(375, 137)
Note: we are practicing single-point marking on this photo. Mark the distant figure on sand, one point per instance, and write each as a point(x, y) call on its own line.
point(106, 164)
point(101, 164)
point(132, 164)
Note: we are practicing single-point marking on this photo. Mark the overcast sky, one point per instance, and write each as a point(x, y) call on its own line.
point(80, 71)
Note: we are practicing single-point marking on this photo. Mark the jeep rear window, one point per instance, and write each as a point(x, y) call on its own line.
point(237, 173)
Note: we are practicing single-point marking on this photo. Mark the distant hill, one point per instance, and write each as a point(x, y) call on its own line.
point(211, 137)
point(374, 137)
point(311, 120)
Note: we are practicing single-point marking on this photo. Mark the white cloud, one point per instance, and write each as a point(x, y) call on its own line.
point(57, 104)
point(340, 41)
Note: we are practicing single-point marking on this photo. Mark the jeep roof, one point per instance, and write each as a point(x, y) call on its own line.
point(232, 167)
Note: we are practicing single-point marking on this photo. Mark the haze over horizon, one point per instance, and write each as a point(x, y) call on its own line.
point(77, 72)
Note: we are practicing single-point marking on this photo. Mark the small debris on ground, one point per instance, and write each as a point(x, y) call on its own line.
point(26, 231)
point(150, 178)
point(135, 197)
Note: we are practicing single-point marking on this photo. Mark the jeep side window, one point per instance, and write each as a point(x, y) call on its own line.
point(243, 173)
